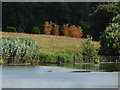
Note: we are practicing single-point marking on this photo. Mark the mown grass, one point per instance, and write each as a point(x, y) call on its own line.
point(51, 43)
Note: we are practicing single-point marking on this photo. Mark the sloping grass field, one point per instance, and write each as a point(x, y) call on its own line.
point(51, 43)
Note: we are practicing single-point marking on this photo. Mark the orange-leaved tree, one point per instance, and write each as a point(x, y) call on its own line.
point(48, 27)
point(80, 33)
point(55, 29)
point(65, 29)
point(72, 31)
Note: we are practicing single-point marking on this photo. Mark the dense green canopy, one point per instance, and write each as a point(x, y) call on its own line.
point(110, 39)
point(92, 17)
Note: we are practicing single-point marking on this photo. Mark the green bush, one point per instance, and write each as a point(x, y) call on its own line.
point(11, 29)
point(17, 50)
point(110, 38)
point(20, 30)
point(36, 30)
point(88, 47)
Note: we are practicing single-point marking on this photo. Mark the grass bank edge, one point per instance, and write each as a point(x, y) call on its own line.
point(35, 56)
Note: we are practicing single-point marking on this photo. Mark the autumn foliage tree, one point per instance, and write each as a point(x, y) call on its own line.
point(72, 31)
point(55, 30)
point(48, 27)
point(65, 29)
point(80, 33)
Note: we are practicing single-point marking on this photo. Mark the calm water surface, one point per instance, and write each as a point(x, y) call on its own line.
point(104, 75)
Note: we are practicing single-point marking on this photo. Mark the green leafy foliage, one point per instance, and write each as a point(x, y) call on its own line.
point(110, 38)
point(36, 30)
point(101, 17)
point(11, 29)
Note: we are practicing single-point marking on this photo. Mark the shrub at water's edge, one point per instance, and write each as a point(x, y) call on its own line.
point(90, 50)
point(17, 50)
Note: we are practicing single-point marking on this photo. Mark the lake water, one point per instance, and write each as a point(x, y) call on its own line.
point(104, 75)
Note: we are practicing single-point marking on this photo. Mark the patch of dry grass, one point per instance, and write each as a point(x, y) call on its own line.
point(51, 43)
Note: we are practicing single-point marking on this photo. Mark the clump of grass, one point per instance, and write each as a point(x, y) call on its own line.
point(65, 56)
point(17, 50)
point(44, 57)
point(59, 57)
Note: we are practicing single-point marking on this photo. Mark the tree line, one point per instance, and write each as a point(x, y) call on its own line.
point(92, 17)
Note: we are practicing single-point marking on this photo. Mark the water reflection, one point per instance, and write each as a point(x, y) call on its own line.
point(110, 67)
point(64, 76)
point(102, 67)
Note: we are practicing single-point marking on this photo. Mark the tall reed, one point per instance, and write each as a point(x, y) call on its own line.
point(17, 50)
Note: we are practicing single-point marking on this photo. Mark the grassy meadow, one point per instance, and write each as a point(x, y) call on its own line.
point(51, 43)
